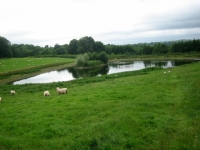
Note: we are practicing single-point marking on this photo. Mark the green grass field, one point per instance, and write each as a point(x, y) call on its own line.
point(135, 110)
point(24, 63)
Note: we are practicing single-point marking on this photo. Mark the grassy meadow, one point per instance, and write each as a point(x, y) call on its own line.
point(146, 109)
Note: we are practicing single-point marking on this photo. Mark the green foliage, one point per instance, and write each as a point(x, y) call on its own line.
point(102, 56)
point(147, 49)
point(86, 44)
point(99, 47)
point(73, 47)
point(185, 46)
point(87, 59)
point(82, 60)
point(5, 51)
point(89, 45)
point(160, 48)
point(155, 48)
point(60, 49)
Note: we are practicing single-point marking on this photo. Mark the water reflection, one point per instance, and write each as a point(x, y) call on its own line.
point(180, 62)
point(68, 74)
point(77, 73)
point(163, 64)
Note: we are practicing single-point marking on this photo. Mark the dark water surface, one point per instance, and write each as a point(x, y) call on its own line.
point(68, 74)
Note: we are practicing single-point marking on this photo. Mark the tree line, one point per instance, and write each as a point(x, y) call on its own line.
point(89, 45)
point(173, 47)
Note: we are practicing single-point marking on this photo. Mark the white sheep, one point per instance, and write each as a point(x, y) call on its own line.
point(46, 93)
point(61, 90)
point(0, 99)
point(12, 92)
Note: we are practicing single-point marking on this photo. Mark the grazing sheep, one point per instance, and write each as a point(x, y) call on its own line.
point(0, 99)
point(61, 90)
point(12, 92)
point(46, 93)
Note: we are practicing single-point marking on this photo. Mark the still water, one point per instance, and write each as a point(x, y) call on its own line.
point(68, 74)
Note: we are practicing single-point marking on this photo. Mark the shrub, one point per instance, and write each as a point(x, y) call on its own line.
point(89, 59)
point(82, 60)
point(103, 57)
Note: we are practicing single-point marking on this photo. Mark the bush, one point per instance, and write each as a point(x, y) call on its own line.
point(82, 60)
point(89, 59)
point(103, 57)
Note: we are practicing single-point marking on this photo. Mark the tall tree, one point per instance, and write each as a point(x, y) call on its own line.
point(59, 49)
point(73, 47)
point(99, 46)
point(160, 48)
point(147, 49)
point(5, 48)
point(86, 44)
point(15, 50)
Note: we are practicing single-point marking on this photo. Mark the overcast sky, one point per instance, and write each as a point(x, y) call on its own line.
point(47, 22)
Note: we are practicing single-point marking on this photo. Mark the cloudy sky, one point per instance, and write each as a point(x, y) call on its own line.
point(47, 22)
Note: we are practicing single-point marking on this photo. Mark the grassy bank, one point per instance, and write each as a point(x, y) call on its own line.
point(135, 110)
point(19, 68)
point(9, 65)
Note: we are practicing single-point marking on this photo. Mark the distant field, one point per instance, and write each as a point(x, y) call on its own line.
point(23, 63)
point(140, 110)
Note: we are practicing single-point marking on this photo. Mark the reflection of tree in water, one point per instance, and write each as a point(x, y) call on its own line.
point(147, 63)
point(62, 70)
point(181, 62)
point(78, 73)
point(160, 63)
point(118, 64)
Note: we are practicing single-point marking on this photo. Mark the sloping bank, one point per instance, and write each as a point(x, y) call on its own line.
point(15, 75)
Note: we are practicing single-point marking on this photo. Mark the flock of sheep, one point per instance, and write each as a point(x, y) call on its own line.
point(168, 71)
point(46, 93)
point(59, 90)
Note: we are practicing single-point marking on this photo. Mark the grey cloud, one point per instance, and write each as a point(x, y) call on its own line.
point(133, 37)
point(188, 17)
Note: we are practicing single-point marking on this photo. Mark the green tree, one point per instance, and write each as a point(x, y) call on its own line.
point(86, 44)
point(59, 49)
point(147, 49)
point(73, 47)
point(108, 49)
point(102, 56)
point(82, 60)
point(15, 50)
point(160, 48)
point(99, 46)
point(25, 52)
point(5, 48)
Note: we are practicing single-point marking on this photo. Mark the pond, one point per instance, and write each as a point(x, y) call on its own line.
point(68, 74)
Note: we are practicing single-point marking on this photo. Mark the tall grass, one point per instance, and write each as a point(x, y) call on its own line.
point(144, 109)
